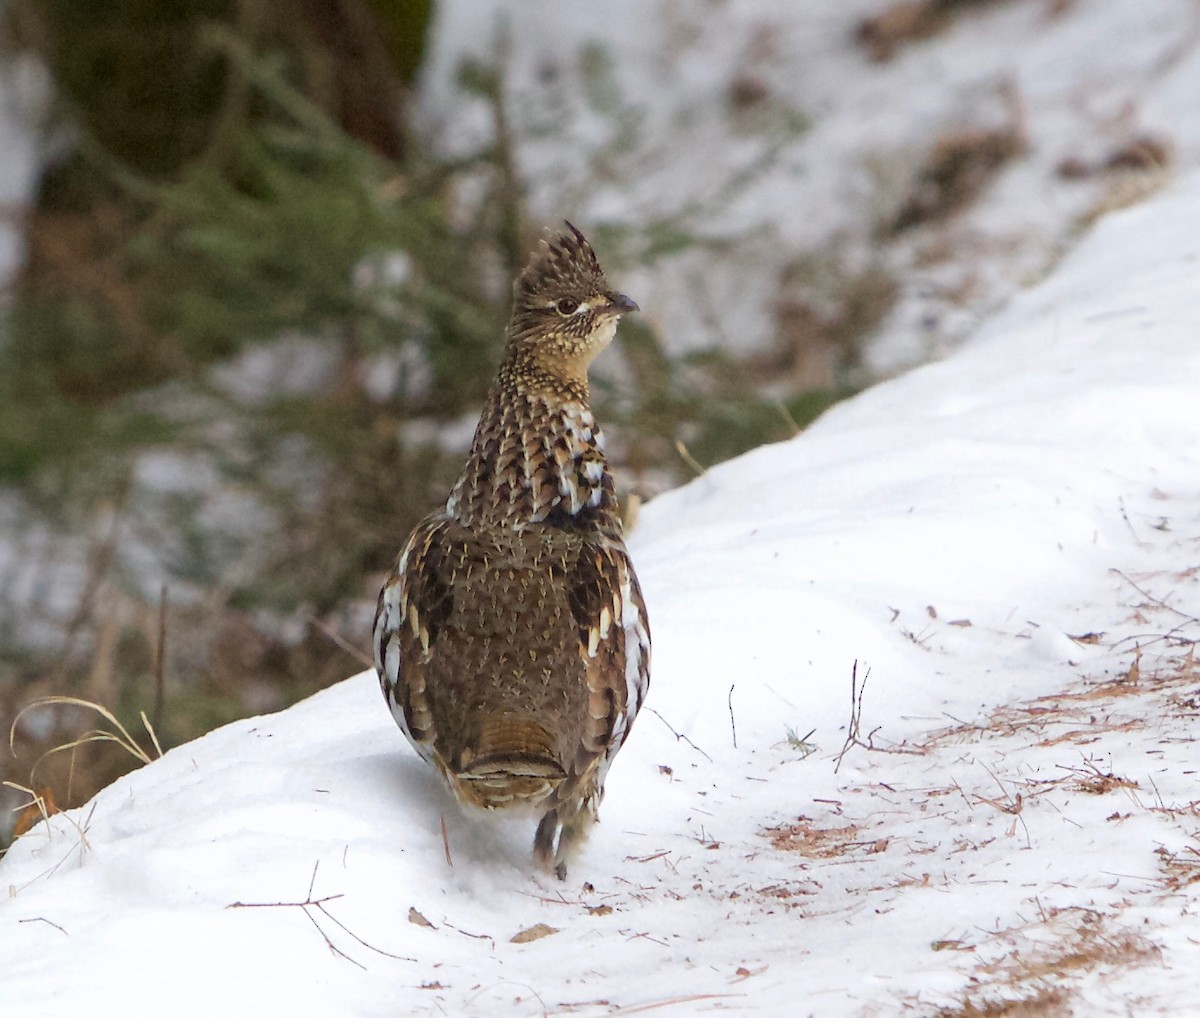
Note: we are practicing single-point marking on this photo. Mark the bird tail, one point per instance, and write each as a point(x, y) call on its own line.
point(514, 761)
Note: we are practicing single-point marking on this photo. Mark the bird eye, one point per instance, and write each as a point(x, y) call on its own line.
point(566, 306)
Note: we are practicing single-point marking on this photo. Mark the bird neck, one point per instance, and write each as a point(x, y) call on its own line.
point(556, 362)
point(541, 371)
point(537, 457)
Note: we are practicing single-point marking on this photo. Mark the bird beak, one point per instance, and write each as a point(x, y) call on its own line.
point(619, 304)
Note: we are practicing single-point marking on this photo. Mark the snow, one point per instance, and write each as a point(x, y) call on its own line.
point(1005, 542)
point(1077, 79)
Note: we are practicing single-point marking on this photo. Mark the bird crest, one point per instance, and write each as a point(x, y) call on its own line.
point(564, 262)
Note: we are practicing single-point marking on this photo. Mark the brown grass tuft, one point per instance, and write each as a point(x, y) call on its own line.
point(909, 21)
point(1044, 1003)
point(805, 838)
point(1027, 980)
point(956, 171)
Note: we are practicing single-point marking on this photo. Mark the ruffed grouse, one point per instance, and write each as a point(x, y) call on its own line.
point(511, 639)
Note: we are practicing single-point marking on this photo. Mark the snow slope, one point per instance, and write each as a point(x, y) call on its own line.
point(1024, 827)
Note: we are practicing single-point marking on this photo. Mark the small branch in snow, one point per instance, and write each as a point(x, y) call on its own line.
point(1125, 516)
point(318, 904)
point(853, 729)
point(304, 907)
point(474, 936)
point(356, 938)
point(482, 989)
point(1011, 804)
point(732, 723)
point(673, 1001)
point(679, 736)
point(650, 1007)
point(856, 701)
point(661, 854)
point(921, 639)
point(1156, 600)
point(43, 919)
point(446, 841)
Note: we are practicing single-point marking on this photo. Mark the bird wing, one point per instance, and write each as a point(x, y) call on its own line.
point(614, 645)
point(413, 606)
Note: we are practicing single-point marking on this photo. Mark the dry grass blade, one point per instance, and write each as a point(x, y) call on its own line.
point(151, 732)
point(40, 806)
point(341, 641)
point(691, 998)
point(120, 736)
point(689, 459)
point(96, 735)
point(34, 798)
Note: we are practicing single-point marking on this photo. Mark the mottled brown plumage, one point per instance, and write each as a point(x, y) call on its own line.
point(511, 639)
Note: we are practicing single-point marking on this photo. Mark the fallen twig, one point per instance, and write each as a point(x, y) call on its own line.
point(1156, 600)
point(318, 904)
point(853, 736)
point(43, 919)
point(446, 842)
point(732, 723)
point(679, 735)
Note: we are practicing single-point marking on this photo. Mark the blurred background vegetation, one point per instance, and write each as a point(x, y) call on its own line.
point(256, 318)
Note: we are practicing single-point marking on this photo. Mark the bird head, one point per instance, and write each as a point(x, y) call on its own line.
point(564, 311)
